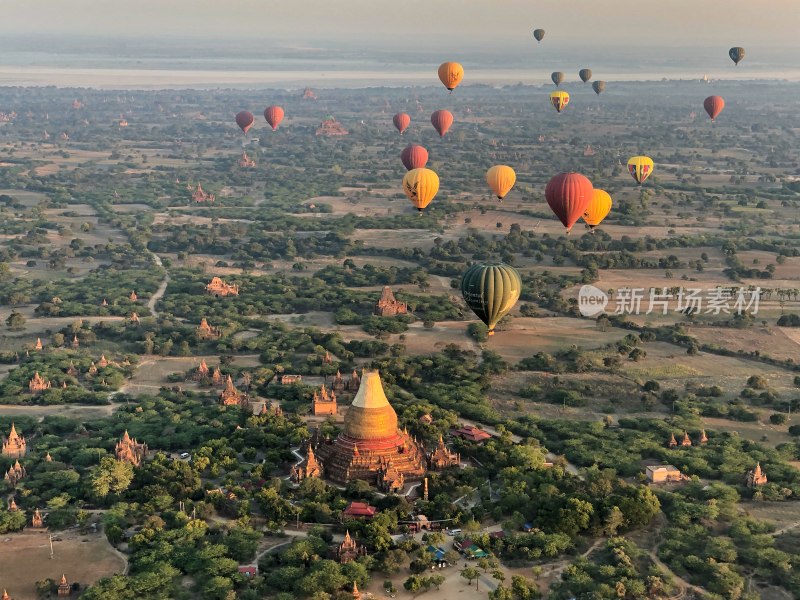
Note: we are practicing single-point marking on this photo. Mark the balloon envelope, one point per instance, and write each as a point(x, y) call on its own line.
point(640, 168)
point(714, 106)
point(585, 75)
point(451, 74)
point(501, 178)
point(736, 53)
point(491, 291)
point(559, 100)
point(420, 185)
point(414, 156)
point(568, 195)
point(245, 120)
point(599, 87)
point(598, 209)
point(401, 121)
point(274, 116)
point(441, 121)
point(538, 34)
point(557, 77)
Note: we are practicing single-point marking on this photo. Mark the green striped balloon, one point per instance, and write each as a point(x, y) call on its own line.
point(491, 291)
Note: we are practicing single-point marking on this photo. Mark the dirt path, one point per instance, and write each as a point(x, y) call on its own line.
point(681, 582)
point(151, 303)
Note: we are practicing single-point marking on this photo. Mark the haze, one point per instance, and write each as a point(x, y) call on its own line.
point(420, 24)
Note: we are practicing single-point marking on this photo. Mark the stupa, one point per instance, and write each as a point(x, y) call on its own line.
point(371, 446)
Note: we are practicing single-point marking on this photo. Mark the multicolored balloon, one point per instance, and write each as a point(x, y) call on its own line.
point(737, 54)
point(559, 100)
point(640, 168)
point(538, 34)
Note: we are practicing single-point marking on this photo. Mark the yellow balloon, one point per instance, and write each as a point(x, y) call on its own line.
point(598, 209)
point(640, 168)
point(420, 185)
point(501, 178)
point(559, 100)
point(451, 74)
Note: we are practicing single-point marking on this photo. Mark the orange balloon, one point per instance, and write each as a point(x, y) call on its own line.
point(451, 74)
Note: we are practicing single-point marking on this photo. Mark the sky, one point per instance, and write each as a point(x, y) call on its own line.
point(420, 24)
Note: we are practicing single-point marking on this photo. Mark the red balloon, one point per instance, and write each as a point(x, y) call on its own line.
point(401, 121)
point(414, 156)
point(274, 116)
point(569, 195)
point(245, 120)
point(441, 121)
point(714, 106)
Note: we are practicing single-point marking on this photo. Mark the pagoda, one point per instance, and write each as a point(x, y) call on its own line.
point(230, 396)
point(371, 447)
point(12, 506)
point(686, 441)
point(672, 443)
point(38, 384)
point(129, 450)
point(388, 305)
point(287, 379)
point(442, 457)
point(324, 402)
point(199, 195)
point(75, 343)
point(308, 94)
point(757, 477)
point(703, 437)
point(202, 371)
point(14, 446)
point(206, 331)
point(330, 127)
point(307, 468)
point(219, 288)
point(133, 297)
point(349, 550)
point(103, 362)
point(64, 589)
point(245, 161)
point(15, 473)
point(134, 319)
point(71, 370)
point(37, 521)
point(39, 345)
point(216, 378)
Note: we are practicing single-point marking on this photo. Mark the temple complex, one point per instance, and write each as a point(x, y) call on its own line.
point(341, 384)
point(129, 450)
point(388, 305)
point(198, 195)
point(245, 161)
point(38, 384)
point(14, 446)
point(756, 477)
point(442, 457)
point(289, 379)
point(230, 396)
point(309, 467)
point(308, 94)
point(324, 402)
point(330, 127)
point(202, 371)
point(15, 473)
point(349, 550)
point(219, 288)
point(371, 447)
point(64, 589)
point(206, 331)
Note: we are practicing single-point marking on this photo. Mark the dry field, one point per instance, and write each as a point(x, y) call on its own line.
point(755, 431)
point(25, 559)
point(152, 372)
point(777, 342)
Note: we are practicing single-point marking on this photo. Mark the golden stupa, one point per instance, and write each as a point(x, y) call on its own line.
point(371, 446)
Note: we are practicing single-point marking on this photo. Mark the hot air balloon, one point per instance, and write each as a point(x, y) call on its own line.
point(451, 74)
point(585, 75)
point(274, 116)
point(538, 34)
point(599, 87)
point(598, 209)
point(737, 54)
point(420, 185)
point(401, 121)
point(640, 168)
point(441, 121)
point(559, 100)
point(568, 195)
point(713, 106)
point(414, 156)
point(245, 120)
point(501, 178)
point(491, 291)
point(557, 77)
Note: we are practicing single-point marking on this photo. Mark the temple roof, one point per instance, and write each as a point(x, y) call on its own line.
point(370, 393)
point(370, 415)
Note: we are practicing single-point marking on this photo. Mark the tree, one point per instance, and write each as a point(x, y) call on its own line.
point(413, 584)
point(15, 321)
point(111, 476)
point(470, 573)
point(778, 418)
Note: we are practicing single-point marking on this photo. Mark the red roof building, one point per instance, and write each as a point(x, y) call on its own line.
point(359, 510)
point(471, 433)
point(248, 572)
